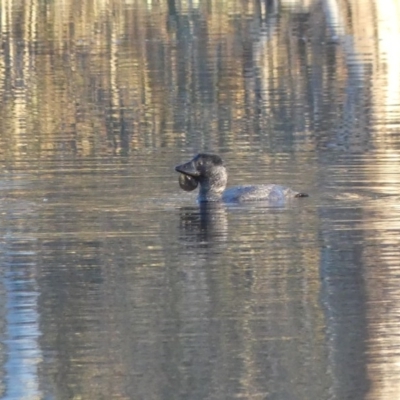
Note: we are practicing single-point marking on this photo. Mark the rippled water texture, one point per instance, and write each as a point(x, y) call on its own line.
point(115, 284)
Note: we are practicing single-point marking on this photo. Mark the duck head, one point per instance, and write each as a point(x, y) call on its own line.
point(209, 172)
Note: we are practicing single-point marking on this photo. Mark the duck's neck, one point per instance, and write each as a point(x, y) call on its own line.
point(212, 186)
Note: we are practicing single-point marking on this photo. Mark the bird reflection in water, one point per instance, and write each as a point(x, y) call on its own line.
point(204, 225)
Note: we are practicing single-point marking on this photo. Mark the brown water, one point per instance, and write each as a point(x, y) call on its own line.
point(115, 284)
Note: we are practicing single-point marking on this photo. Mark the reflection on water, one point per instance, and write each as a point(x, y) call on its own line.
point(114, 283)
point(20, 316)
point(205, 224)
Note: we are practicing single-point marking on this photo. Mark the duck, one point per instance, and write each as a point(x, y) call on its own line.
point(208, 171)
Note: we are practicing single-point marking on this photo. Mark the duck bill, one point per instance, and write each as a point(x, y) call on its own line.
point(187, 169)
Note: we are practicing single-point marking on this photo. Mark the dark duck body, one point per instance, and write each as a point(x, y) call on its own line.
point(208, 171)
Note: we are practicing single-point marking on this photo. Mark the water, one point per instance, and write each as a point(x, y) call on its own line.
point(115, 284)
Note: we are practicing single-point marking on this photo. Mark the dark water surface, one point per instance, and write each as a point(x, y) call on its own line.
point(115, 284)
